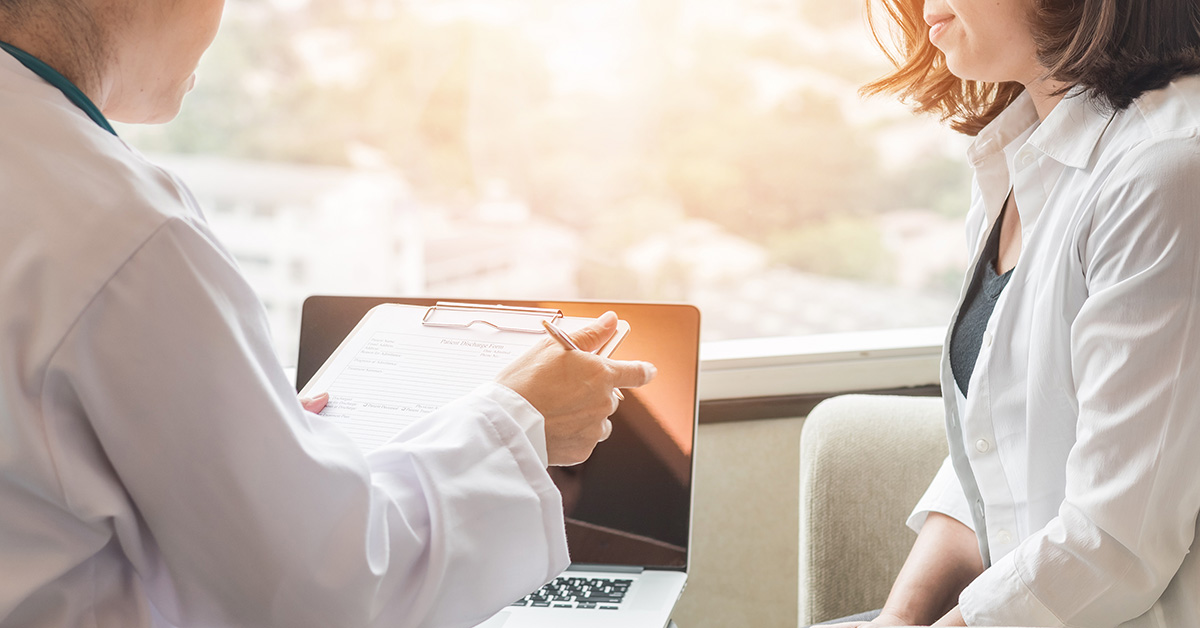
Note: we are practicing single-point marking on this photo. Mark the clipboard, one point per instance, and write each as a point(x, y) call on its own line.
point(401, 362)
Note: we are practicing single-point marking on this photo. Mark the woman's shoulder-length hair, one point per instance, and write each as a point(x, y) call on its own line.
point(1114, 49)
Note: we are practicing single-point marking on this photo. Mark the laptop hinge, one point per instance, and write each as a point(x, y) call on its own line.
point(612, 568)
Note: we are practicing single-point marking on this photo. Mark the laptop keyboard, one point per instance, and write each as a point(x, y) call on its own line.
point(566, 592)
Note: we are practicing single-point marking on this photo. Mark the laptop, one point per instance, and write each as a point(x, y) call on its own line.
point(629, 507)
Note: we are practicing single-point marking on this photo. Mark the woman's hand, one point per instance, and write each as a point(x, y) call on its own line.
point(953, 618)
point(883, 620)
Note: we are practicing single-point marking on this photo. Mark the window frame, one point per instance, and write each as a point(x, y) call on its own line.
point(765, 378)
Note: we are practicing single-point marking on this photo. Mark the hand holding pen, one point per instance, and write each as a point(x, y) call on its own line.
point(573, 388)
point(568, 344)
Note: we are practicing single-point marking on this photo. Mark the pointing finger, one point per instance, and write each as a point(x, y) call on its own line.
point(632, 374)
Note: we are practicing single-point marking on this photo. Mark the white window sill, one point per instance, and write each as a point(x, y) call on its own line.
point(826, 363)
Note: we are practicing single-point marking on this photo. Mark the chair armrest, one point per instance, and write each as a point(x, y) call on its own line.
point(865, 460)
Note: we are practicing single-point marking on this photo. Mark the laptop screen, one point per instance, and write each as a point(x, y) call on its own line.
point(630, 503)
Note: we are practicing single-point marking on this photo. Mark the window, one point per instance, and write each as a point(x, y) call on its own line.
point(708, 151)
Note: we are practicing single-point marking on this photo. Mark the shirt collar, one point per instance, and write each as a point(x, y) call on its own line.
point(1069, 135)
point(1071, 132)
point(1011, 124)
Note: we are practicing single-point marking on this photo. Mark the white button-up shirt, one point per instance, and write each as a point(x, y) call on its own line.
point(1082, 429)
point(156, 468)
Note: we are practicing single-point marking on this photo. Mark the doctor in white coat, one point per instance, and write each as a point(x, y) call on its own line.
point(156, 468)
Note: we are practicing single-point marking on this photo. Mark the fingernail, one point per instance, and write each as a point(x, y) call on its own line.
point(652, 369)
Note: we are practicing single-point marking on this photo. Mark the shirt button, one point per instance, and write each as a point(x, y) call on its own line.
point(1026, 158)
point(982, 446)
point(979, 508)
point(987, 338)
point(1003, 537)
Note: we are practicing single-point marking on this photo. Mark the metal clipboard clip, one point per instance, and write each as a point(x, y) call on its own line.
point(526, 320)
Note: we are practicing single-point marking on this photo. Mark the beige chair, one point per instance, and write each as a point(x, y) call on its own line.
point(864, 462)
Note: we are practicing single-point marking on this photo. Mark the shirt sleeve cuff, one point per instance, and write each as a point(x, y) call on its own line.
point(527, 417)
point(1000, 597)
point(945, 496)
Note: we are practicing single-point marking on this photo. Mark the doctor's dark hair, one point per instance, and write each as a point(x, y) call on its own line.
point(1115, 50)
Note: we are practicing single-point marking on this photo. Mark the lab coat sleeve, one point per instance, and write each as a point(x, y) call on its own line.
point(251, 511)
point(1133, 477)
point(531, 421)
point(944, 495)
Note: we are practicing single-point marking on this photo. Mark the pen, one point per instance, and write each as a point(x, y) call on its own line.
point(568, 344)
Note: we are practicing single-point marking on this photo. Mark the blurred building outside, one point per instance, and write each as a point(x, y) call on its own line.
point(303, 230)
point(715, 152)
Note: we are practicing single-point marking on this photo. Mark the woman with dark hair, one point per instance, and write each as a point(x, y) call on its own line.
point(1072, 370)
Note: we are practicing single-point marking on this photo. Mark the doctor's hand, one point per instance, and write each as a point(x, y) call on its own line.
point(315, 404)
point(575, 390)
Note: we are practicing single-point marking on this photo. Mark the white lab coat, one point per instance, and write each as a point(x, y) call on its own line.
point(156, 467)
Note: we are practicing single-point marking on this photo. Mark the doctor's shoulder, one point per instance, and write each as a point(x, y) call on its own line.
point(78, 203)
point(59, 163)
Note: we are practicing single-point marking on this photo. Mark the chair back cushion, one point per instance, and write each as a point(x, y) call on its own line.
point(865, 460)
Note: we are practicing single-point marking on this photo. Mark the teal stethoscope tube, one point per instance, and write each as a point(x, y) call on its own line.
point(51, 76)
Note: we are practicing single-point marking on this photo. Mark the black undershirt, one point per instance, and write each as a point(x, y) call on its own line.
point(977, 308)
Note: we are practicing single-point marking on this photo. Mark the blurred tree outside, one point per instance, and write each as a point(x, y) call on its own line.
point(938, 183)
point(840, 246)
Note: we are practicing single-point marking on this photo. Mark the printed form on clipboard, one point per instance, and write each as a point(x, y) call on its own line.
point(402, 362)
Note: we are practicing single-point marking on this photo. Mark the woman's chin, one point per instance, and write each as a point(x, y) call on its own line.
point(962, 70)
